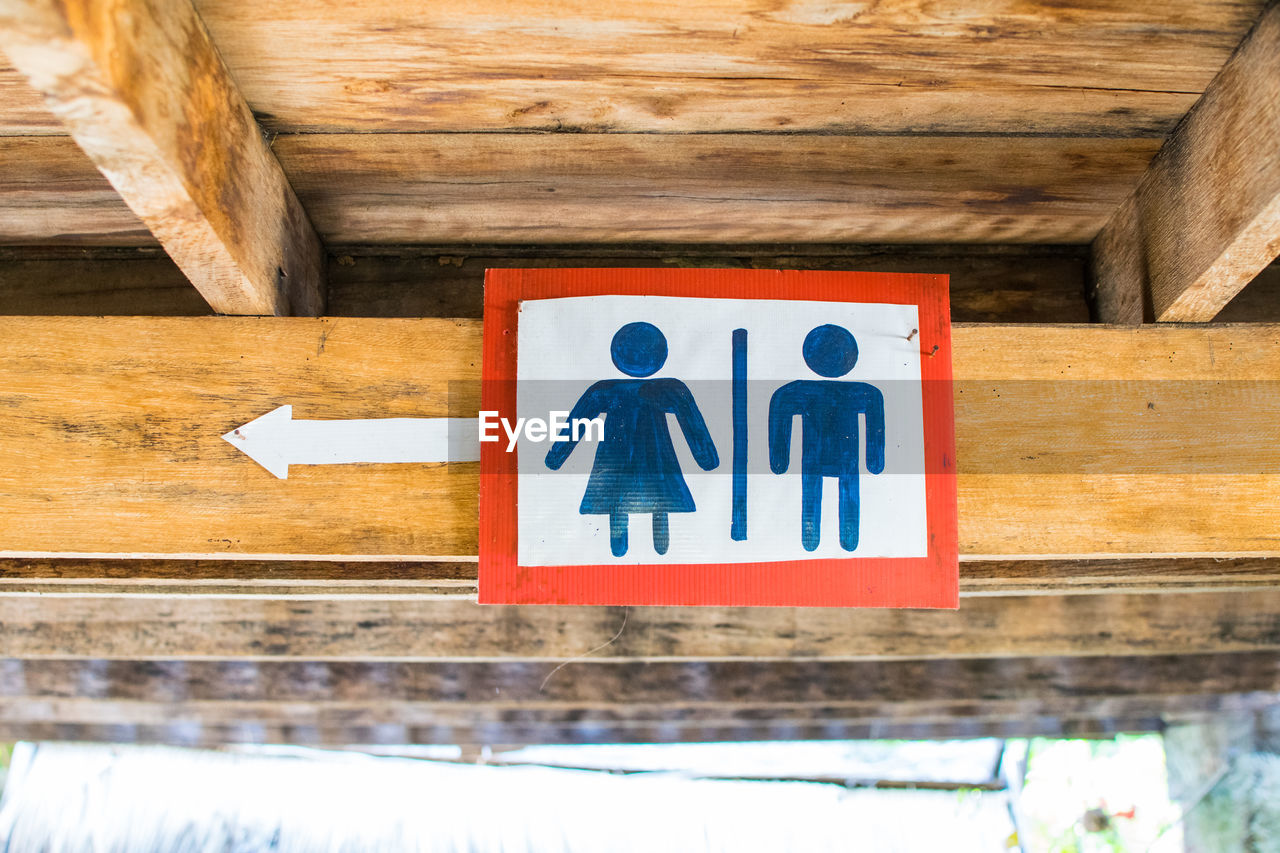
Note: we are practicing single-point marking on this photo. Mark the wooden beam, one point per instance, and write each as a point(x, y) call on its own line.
point(406, 628)
point(1205, 219)
point(989, 284)
point(22, 109)
point(1068, 685)
point(143, 91)
point(1058, 577)
point(194, 734)
point(1257, 303)
point(621, 188)
point(115, 449)
point(426, 578)
point(386, 189)
point(50, 194)
point(1115, 68)
point(189, 701)
point(96, 283)
point(81, 711)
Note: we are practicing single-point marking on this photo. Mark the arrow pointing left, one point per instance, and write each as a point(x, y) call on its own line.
point(275, 441)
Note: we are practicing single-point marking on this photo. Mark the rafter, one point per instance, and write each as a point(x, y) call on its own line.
point(1205, 218)
point(142, 89)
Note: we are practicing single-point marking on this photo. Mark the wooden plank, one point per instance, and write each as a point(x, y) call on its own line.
point(145, 447)
point(1259, 302)
point(1067, 684)
point(1118, 271)
point(989, 284)
point(617, 188)
point(93, 283)
point(168, 627)
point(188, 701)
point(197, 735)
point(1109, 67)
point(1004, 284)
point(1205, 219)
point(115, 447)
point(506, 701)
point(141, 88)
point(22, 108)
point(422, 579)
point(337, 702)
point(1060, 577)
point(51, 194)
point(619, 718)
point(270, 578)
point(622, 188)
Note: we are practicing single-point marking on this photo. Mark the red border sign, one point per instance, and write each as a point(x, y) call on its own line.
point(930, 581)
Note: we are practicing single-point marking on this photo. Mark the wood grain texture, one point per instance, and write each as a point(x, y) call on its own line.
point(619, 188)
point(22, 109)
point(176, 627)
point(1259, 302)
point(78, 282)
point(1111, 67)
point(1205, 219)
point(1114, 506)
point(1118, 268)
point(386, 189)
point(1068, 684)
point(152, 459)
point(51, 193)
point(189, 734)
point(1002, 284)
point(469, 720)
point(1060, 577)
point(142, 89)
point(115, 447)
point(424, 579)
point(191, 701)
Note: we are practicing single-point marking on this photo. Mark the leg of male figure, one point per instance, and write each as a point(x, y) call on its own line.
point(849, 512)
point(661, 533)
point(618, 533)
point(810, 511)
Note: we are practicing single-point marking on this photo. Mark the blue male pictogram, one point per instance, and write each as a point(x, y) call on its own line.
point(828, 411)
point(636, 469)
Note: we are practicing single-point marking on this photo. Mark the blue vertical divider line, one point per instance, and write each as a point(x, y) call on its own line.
point(738, 529)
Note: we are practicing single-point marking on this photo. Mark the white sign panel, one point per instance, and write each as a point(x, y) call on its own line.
point(817, 366)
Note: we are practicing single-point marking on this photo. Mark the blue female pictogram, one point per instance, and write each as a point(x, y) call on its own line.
point(635, 469)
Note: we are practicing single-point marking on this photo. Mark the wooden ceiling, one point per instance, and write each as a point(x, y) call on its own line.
point(754, 134)
point(1126, 68)
point(556, 122)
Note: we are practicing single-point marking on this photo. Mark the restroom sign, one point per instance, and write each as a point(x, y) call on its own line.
point(717, 437)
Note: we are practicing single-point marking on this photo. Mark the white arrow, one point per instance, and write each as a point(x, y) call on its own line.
point(275, 441)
